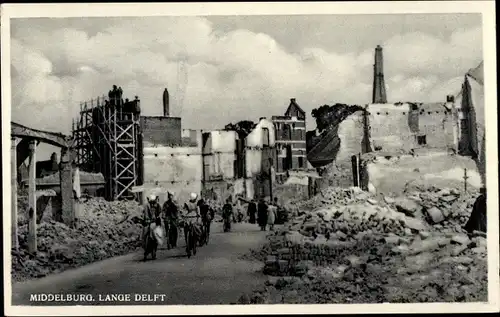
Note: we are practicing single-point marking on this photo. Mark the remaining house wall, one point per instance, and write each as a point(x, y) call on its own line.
point(168, 163)
point(161, 131)
point(260, 155)
point(177, 169)
point(351, 137)
point(394, 128)
point(435, 122)
point(389, 128)
point(219, 155)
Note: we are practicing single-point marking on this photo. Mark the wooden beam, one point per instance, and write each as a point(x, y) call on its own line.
point(13, 166)
point(32, 243)
point(66, 179)
point(56, 139)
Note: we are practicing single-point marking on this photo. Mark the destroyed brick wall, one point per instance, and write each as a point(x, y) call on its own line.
point(167, 163)
point(219, 155)
point(403, 127)
point(161, 130)
point(260, 157)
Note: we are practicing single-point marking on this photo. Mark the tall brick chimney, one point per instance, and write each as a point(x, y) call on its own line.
point(166, 103)
point(379, 93)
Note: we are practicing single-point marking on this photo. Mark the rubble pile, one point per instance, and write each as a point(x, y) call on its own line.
point(103, 229)
point(348, 246)
point(445, 208)
point(426, 267)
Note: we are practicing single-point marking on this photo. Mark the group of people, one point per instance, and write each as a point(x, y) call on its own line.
point(194, 211)
point(266, 214)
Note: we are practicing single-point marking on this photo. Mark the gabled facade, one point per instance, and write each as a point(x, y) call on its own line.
point(290, 140)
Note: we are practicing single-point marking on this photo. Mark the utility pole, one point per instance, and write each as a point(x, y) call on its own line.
point(465, 179)
point(32, 243)
point(271, 179)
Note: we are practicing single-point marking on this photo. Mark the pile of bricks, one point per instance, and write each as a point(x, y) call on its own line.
point(394, 247)
point(102, 230)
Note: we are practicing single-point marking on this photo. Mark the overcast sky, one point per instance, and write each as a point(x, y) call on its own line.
point(238, 67)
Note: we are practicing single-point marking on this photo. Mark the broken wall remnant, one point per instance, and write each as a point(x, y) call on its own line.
point(161, 130)
point(260, 158)
point(223, 173)
point(172, 157)
point(324, 143)
point(404, 127)
point(471, 114)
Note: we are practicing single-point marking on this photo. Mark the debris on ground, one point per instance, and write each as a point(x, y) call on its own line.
point(103, 229)
point(348, 246)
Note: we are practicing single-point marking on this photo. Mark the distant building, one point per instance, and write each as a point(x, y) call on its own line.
point(290, 140)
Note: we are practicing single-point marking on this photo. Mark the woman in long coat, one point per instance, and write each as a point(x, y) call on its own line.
point(271, 216)
point(252, 210)
point(262, 215)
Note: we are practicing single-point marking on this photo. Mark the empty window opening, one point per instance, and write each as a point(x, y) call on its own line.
point(387, 113)
point(422, 140)
point(301, 162)
point(404, 113)
point(378, 113)
point(429, 112)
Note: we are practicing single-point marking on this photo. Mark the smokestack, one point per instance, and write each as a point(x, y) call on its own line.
point(166, 103)
point(379, 93)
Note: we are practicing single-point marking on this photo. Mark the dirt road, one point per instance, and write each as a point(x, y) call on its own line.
point(215, 275)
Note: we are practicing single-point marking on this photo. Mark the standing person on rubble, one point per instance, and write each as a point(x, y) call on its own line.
point(262, 214)
point(477, 220)
point(170, 219)
point(252, 210)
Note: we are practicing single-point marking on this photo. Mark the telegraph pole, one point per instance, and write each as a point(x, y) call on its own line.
point(466, 177)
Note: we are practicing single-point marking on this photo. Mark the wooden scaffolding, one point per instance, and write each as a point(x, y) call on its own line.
point(107, 136)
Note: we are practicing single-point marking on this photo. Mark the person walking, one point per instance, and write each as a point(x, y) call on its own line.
point(262, 214)
point(227, 215)
point(271, 216)
point(252, 210)
point(205, 218)
point(170, 219)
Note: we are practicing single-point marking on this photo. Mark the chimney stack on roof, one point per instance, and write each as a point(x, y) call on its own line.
point(379, 93)
point(166, 103)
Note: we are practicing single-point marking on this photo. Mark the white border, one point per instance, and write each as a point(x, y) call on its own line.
point(487, 8)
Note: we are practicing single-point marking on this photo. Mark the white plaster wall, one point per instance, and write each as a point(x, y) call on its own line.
point(223, 141)
point(255, 138)
point(351, 135)
point(177, 169)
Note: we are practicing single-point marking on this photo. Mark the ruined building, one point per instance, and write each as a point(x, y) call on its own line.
point(402, 129)
point(290, 140)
